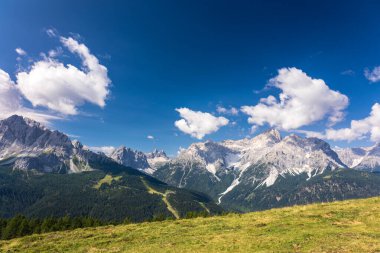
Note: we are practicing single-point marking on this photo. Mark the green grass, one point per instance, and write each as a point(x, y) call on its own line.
point(347, 226)
point(164, 197)
point(106, 180)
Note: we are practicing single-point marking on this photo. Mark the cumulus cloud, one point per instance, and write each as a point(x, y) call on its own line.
point(150, 137)
point(303, 100)
point(20, 51)
point(359, 129)
point(198, 124)
point(54, 89)
point(229, 111)
point(11, 101)
point(373, 75)
point(62, 88)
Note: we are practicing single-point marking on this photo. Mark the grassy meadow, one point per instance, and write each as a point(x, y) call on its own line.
point(346, 226)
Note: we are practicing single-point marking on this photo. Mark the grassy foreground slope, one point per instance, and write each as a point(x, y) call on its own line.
point(347, 226)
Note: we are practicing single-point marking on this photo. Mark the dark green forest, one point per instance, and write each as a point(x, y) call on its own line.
point(104, 196)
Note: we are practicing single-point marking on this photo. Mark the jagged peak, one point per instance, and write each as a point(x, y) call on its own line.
point(271, 134)
point(156, 153)
point(77, 144)
point(18, 119)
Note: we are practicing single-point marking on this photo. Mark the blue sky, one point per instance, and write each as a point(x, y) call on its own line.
point(163, 55)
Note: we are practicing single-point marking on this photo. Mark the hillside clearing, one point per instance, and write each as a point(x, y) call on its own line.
point(347, 226)
point(164, 197)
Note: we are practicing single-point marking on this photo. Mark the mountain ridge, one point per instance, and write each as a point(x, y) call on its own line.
point(265, 171)
point(43, 173)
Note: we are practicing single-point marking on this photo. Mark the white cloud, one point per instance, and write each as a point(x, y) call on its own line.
point(373, 75)
point(198, 124)
point(253, 129)
point(303, 101)
point(62, 88)
point(51, 32)
point(311, 133)
point(55, 52)
point(231, 111)
point(20, 51)
point(104, 149)
point(11, 101)
point(57, 88)
point(150, 137)
point(10, 98)
point(358, 129)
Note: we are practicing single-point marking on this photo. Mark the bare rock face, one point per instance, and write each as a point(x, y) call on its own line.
point(218, 168)
point(28, 145)
point(361, 158)
point(130, 158)
point(145, 162)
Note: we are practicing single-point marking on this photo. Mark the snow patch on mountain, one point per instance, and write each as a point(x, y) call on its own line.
point(261, 160)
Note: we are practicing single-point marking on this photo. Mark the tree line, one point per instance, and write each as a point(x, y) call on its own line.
point(21, 225)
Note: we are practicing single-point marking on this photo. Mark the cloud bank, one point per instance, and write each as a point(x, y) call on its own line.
point(198, 124)
point(359, 129)
point(303, 100)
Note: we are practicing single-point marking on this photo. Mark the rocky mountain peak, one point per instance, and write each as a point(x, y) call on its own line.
point(156, 153)
point(28, 145)
point(270, 136)
point(15, 120)
point(77, 144)
point(273, 133)
point(17, 131)
point(130, 158)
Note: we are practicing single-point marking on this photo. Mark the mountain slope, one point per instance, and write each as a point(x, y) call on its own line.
point(362, 158)
point(44, 173)
point(146, 163)
point(267, 171)
point(348, 226)
point(27, 145)
point(126, 194)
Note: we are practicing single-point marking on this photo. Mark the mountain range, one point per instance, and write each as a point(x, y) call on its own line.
point(266, 171)
point(43, 173)
point(241, 175)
